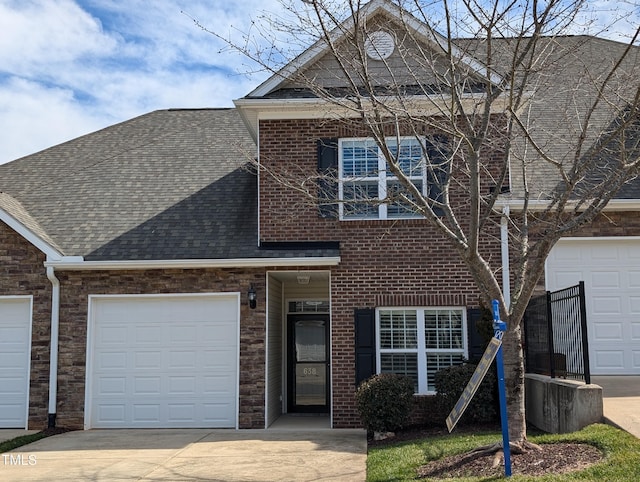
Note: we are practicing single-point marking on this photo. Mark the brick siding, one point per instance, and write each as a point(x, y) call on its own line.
point(383, 263)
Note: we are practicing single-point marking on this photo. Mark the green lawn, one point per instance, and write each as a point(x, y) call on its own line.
point(398, 462)
point(14, 443)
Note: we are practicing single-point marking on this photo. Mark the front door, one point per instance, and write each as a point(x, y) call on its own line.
point(308, 363)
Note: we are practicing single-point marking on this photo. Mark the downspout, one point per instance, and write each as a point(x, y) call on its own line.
point(504, 249)
point(53, 355)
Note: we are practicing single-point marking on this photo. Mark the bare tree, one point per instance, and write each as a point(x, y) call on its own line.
point(516, 123)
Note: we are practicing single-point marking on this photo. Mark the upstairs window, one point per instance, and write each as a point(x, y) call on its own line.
point(368, 190)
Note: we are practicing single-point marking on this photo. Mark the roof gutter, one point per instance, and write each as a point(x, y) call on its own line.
point(53, 349)
point(540, 205)
point(78, 263)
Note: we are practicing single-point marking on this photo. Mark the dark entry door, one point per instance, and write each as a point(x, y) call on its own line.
point(308, 363)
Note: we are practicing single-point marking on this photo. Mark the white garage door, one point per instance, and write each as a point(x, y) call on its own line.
point(15, 343)
point(163, 361)
point(611, 272)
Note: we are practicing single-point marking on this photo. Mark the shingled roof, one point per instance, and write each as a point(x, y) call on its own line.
point(171, 184)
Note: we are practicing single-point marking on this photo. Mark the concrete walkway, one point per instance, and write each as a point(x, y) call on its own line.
point(621, 401)
point(191, 454)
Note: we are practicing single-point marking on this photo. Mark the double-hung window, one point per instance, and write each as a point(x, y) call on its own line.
point(418, 342)
point(368, 189)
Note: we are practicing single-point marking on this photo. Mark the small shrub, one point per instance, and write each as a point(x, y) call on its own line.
point(451, 382)
point(385, 401)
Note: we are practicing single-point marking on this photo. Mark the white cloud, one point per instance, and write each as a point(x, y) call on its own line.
point(70, 67)
point(33, 117)
point(39, 35)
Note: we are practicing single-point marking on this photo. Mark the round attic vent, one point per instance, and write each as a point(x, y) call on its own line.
point(379, 45)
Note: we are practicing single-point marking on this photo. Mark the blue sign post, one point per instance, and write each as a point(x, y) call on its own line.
point(499, 328)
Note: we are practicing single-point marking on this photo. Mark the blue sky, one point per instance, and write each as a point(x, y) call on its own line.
point(69, 67)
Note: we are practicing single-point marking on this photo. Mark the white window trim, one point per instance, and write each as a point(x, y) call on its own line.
point(421, 348)
point(381, 179)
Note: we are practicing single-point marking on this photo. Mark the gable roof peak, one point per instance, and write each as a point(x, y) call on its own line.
point(367, 11)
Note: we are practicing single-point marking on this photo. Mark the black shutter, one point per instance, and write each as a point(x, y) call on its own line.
point(365, 324)
point(477, 343)
point(328, 180)
point(437, 169)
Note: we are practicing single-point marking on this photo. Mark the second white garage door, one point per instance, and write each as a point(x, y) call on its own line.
point(610, 269)
point(162, 361)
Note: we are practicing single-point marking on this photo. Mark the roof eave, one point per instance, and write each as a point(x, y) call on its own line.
point(615, 205)
point(81, 265)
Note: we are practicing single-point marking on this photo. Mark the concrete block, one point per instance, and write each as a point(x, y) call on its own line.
point(561, 406)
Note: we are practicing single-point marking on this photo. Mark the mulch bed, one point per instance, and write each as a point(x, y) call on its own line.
point(554, 458)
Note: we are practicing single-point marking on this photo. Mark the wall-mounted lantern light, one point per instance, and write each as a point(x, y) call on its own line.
point(252, 297)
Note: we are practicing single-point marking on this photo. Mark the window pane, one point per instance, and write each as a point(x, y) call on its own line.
point(398, 329)
point(437, 362)
point(359, 159)
point(401, 364)
point(410, 158)
point(443, 329)
point(354, 191)
point(397, 207)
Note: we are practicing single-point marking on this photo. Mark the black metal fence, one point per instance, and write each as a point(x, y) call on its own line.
point(555, 334)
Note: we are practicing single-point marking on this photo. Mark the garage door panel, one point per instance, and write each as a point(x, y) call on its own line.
point(216, 413)
point(610, 359)
point(220, 360)
point(608, 332)
point(147, 386)
point(184, 334)
point(115, 335)
point(606, 305)
point(111, 386)
point(146, 359)
point(634, 279)
point(215, 384)
point(115, 360)
point(605, 279)
point(146, 412)
point(147, 335)
point(175, 359)
point(182, 385)
point(180, 412)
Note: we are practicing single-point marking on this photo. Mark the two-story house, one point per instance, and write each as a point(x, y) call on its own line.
point(156, 274)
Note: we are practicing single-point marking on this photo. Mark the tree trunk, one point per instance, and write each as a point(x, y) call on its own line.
point(514, 379)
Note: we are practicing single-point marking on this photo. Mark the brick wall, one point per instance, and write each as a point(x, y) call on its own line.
point(613, 224)
point(22, 273)
point(384, 263)
point(78, 285)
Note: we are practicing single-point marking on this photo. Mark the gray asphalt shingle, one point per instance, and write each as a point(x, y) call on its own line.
point(171, 184)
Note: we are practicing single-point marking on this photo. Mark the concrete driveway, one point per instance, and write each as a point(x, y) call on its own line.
point(191, 454)
point(621, 401)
